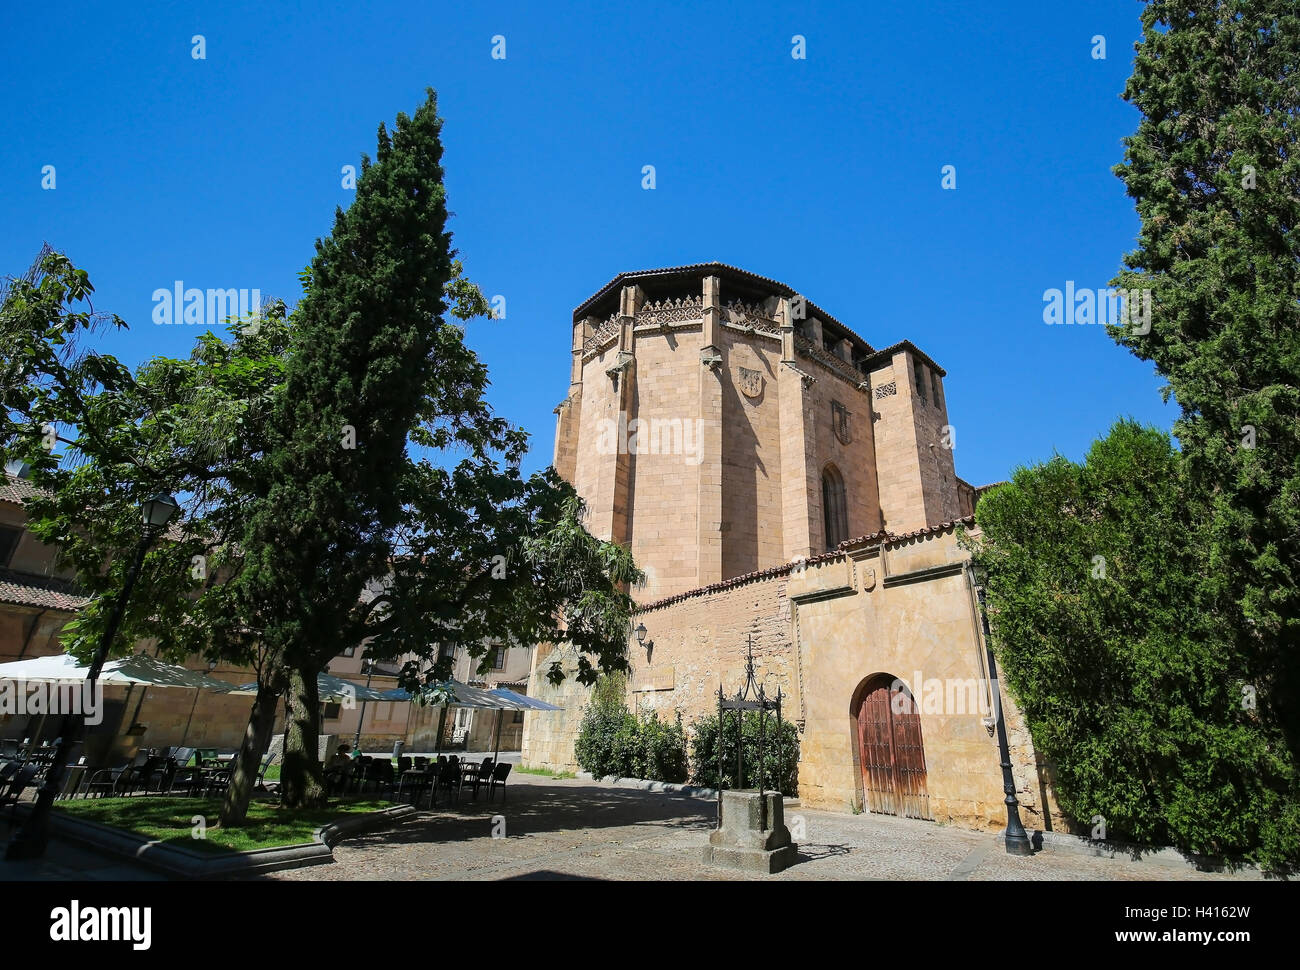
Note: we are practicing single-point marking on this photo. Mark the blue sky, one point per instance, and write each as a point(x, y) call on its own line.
point(824, 173)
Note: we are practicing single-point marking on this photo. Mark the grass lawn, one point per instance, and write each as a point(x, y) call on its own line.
point(176, 821)
point(546, 772)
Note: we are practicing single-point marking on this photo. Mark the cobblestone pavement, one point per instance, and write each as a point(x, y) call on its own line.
point(575, 829)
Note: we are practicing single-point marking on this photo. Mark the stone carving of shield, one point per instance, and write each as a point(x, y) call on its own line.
point(751, 382)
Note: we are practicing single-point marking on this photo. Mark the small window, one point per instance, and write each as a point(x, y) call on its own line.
point(8, 543)
point(449, 649)
point(918, 372)
point(934, 387)
point(330, 710)
point(518, 718)
point(498, 658)
point(834, 509)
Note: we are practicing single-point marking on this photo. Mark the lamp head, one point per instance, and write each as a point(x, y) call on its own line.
point(158, 510)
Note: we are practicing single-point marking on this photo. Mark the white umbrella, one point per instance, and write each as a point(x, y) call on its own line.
point(455, 694)
point(331, 688)
point(517, 702)
point(139, 668)
point(522, 702)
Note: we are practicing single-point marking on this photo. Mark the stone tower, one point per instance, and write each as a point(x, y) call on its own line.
point(719, 423)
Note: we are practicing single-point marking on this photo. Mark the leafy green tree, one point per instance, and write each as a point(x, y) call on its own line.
point(354, 538)
point(614, 741)
point(310, 523)
point(1215, 173)
point(1117, 644)
point(99, 439)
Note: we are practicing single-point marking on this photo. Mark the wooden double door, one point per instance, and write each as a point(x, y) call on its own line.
point(891, 750)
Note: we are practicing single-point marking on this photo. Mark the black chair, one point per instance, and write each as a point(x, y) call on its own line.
point(152, 777)
point(363, 772)
point(383, 773)
point(404, 765)
point(499, 775)
point(217, 779)
point(114, 781)
point(481, 777)
point(261, 772)
point(415, 781)
point(181, 773)
point(338, 778)
point(448, 778)
point(24, 778)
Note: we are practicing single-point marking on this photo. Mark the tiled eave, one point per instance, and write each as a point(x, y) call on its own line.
point(750, 284)
point(44, 592)
point(878, 538)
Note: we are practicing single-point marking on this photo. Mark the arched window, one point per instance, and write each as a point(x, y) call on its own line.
point(834, 508)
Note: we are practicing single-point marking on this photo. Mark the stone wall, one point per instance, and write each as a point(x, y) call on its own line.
point(821, 631)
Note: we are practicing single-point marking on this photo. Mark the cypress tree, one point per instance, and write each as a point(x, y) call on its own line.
point(1215, 173)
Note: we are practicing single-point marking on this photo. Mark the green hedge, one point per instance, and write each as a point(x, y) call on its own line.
point(612, 741)
point(705, 760)
point(1120, 646)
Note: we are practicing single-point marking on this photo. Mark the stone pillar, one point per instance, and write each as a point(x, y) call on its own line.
point(709, 498)
point(610, 514)
point(569, 413)
point(801, 527)
point(753, 834)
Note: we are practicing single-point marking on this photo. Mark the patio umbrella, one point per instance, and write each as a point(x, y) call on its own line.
point(457, 695)
point(517, 702)
point(331, 688)
point(139, 668)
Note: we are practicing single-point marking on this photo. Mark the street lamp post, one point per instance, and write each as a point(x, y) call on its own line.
point(1017, 841)
point(30, 840)
point(368, 666)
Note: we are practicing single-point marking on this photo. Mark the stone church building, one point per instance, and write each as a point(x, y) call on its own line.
point(781, 480)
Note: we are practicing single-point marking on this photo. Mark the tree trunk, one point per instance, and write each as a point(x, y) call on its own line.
point(257, 737)
point(301, 778)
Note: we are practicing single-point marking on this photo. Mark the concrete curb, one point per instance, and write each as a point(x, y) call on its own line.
point(693, 791)
point(1164, 856)
point(174, 861)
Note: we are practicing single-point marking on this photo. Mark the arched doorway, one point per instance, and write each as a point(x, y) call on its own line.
point(890, 748)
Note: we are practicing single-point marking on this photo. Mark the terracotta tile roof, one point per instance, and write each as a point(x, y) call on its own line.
point(734, 273)
point(47, 592)
point(15, 490)
point(886, 354)
point(887, 537)
point(890, 538)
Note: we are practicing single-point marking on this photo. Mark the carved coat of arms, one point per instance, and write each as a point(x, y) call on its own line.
point(840, 419)
point(751, 382)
